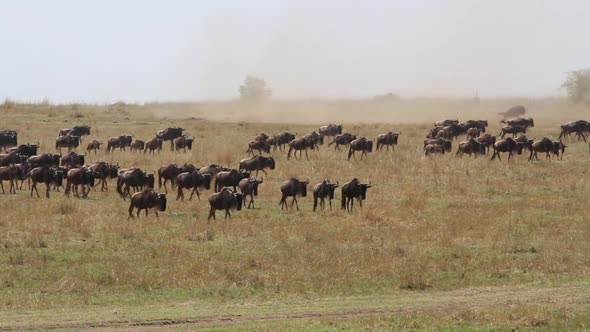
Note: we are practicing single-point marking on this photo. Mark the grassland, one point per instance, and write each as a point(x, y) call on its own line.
point(441, 242)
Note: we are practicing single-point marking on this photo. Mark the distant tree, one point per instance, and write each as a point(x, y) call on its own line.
point(254, 89)
point(577, 85)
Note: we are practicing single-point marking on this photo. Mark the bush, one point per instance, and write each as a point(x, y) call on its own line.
point(577, 85)
point(254, 89)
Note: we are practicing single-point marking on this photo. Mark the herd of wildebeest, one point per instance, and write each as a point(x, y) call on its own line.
point(22, 162)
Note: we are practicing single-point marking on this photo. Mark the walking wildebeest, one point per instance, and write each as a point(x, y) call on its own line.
point(350, 191)
point(523, 122)
point(479, 124)
point(342, 139)
point(360, 144)
point(83, 177)
point(170, 172)
point(137, 145)
point(487, 140)
point(249, 187)
point(547, 146)
point(212, 169)
point(330, 130)
point(45, 175)
point(260, 146)
point(272, 141)
point(257, 163)
point(322, 191)
point(169, 134)
point(229, 178)
point(8, 139)
point(153, 144)
point(145, 200)
point(292, 188)
point(559, 149)
point(192, 180)
point(315, 139)
point(506, 145)
point(444, 123)
point(183, 142)
point(134, 178)
point(93, 145)
point(8, 173)
point(470, 147)
point(76, 131)
point(299, 144)
point(25, 149)
point(512, 130)
point(284, 138)
point(226, 199)
point(68, 141)
point(120, 142)
point(12, 158)
point(446, 144)
point(473, 133)
point(73, 159)
point(580, 127)
point(433, 149)
point(45, 159)
point(387, 140)
point(103, 171)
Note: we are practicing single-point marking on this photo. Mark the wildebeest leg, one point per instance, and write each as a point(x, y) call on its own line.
point(12, 186)
point(47, 189)
point(227, 214)
point(330, 201)
point(2, 185)
point(34, 187)
point(211, 214)
point(180, 194)
point(130, 211)
point(195, 190)
point(295, 201)
point(251, 201)
point(315, 202)
point(306, 156)
point(531, 157)
point(360, 203)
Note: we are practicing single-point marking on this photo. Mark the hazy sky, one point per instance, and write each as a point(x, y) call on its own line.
point(108, 50)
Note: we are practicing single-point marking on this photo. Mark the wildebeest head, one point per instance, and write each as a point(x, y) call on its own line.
point(270, 162)
point(301, 187)
point(206, 180)
point(369, 146)
point(239, 200)
point(161, 201)
point(58, 176)
point(150, 180)
point(331, 189)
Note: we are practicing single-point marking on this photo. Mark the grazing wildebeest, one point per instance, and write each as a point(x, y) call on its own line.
point(433, 149)
point(25, 149)
point(322, 191)
point(212, 169)
point(183, 142)
point(260, 146)
point(342, 139)
point(8, 139)
point(444, 123)
point(292, 188)
point(45, 159)
point(120, 142)
point(360, 144)
point(284, 138)
point(581, 128)
point(145, 200)
point(299, 144)
point(350, 191)
point(76, 131)
point(73, 159)
point(330, 130)
point(387, 140)
point(192, 180)
point(226, 199)
point(169, 134)
point(137, 145)
point(446, 144)
point(93, 145)
point(153, 144)
point(470, 147)
point(506, 145)
point(12, 158)
point(261, 137)
point(170, 172)
point(249, 187)
point(523, 122)
point(103, 171)
point(315, 139)
point(229, 178)
point(79, 177)
point(513, 112)
point(473, 132)
point(479, 124)
point(47, 175)
point(512, 130)
point(134, 178)
point(487, 140)
point(8, 173)
point(547, 146)
point(257, 163)
point(68, 141)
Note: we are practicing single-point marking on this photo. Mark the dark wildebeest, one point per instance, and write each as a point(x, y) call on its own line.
point(25, 149)
point(8, 139)
point(330, 130)
point(249, 187)
point(8, 173)
point(47, 175)
point(76, 131)
point(133, 178)
point(512, 130)
point(299, 144)
point(226, 199)
point(192, 180)
point(350, 191)
point(547, 146)
point(315, 139)
point(45, 159)
point(120, 142)
point(581, 128)
point(559, 149)
point(284, 138)
point(169, 134)
point(183, 142)
point(513, 112)
point(79, 177)
point(212, 169)
point(523, 122)
point(229, 178)
point(506, 145)
point(145, 200)
point(473, 132)
point(444, 123)
point(93, 145)
point(67, 141)
point(257, 163)
point(170, 172)
point(487, 140)
point(258, 145)
point(153, 144)
point(103, 171)
point(137, 145)
point(322, 191)
point(446, 144)
point(73, 159)
point(387, 140)
point(22, 170)
point(12, 158)
point(454, 130)
point(342, 139)
point(292, 188)
point(272, 141)
point(470, 147)
point(261, 137)
point(479, 124)
point(360, 144)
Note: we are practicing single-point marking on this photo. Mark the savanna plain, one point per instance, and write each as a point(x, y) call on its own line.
point(440, 243)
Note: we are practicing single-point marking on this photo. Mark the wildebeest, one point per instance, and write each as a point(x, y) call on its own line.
point(183, 142)
point(547, 146)
point(433, 149)
point(45, 159)
point(11, 158)
point(68, 141)
point(284, 138)
point(25, 149)
point(260, 146)
point(330, 130)
point(134, 178)
point(192, 180)
point(453, 131)
point(169, 134)
point(103, 171)
point(559, 149)
point(153, 144)
point(445, 144)
point(8, 139)
point(212, 169)
point(145, 200)
point(470, 147)
point(8, 173)
point(479, 124)
point(444, 123)
point(581, 128)
point(299, 144)
point(229, 178)
point(513, 112)
point(272, 141)
point(360, 144)
point(169, 172)
point(261, 137)
point(226, 199)
point(512, 130)
point(120, 142)
point(292, 188)
point(506, 145)
point(350, 191)
point(249, 187)
point(342, 139)
point(73, 159)
point(257, 163)
point(76, 131)
point(322, 191)
point(487, 140)
point(473, 132)
point(315, 139)
point(523, 122)
point(83, 177)
point(387, 140)
point(47, 175)
point(137, 145)
point(93, 145)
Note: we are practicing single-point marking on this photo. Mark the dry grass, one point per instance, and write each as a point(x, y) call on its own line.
point(428, 224)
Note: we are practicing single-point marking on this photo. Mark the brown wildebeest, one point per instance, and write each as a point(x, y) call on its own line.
point(299, 144)
point(284, 138)
point(257, 163)
point(183, 142)
point(153, 144)
point(547, 146)
point(249, 187)
point(360, 144)
point(512, 130)
point(387, 140)
point(83, 177)
point(350, 191)
point(260, 146)
point(444, 123)
point(292, 188)
point(45, 175)
point(93, 145)
point(192, 180)
point(487, 140)
point(103, 171)
point(145, 200)
point(470, 147)
point(330, 130)
point(76, 131)
point(315, 139)
point(229, 178)
point(170, 172)
point(12, 158)
point(134, 178)
point(213, 169)
point(322, 191)
point(581, 128)
point(479, 124)
point(513, 111)
point(45, 159)
point(433, 149)
point(342, 139)
point(73, 159)
point(226, 199)
point(559, 149)
point(120, 142)
point(523, 122)
point(506, 145)
point(67, 141)
point(8, 173)
point(473, 133)
point(272, 141)
point(261, 137)
point(137, 145)
point(446, 144)
point(25, 149)
point(169, 134)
